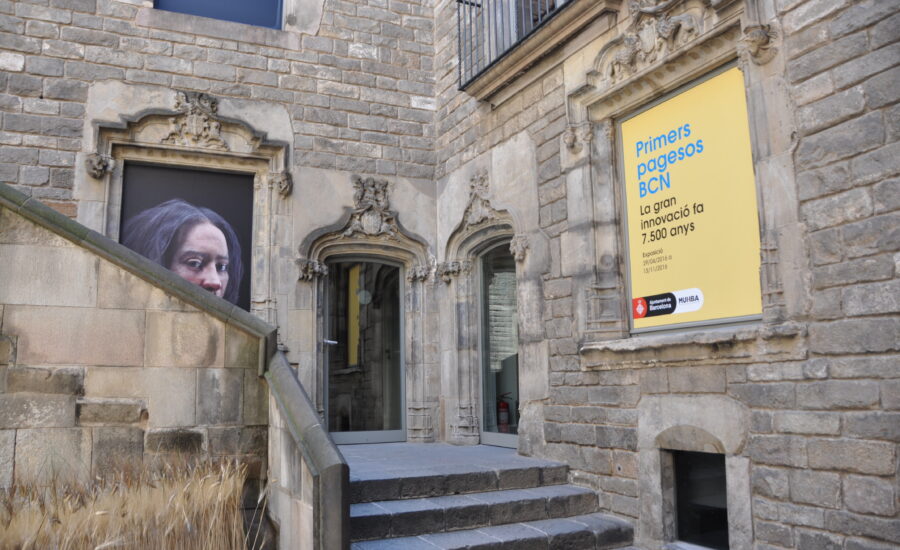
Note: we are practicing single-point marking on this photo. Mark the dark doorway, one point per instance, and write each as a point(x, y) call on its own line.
point(228, 194)
point(364, 354)
point(701, 498)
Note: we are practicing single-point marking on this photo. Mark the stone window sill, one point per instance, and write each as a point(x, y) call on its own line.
point(216, 28)
point(680, 545)
point(553, 34)
point(736, 344)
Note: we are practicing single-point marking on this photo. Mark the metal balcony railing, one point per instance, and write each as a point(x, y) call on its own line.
point(489, 29)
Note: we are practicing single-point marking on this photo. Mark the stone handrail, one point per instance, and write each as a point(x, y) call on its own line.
point(139, 266)
point(295, 425)
point(316, 481)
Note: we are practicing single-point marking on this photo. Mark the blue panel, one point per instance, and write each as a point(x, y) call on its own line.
point(263, 13)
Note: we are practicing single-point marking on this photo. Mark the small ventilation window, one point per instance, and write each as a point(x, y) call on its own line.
point(700, 496)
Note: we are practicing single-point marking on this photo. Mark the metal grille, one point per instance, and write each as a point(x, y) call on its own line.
point(488, 29)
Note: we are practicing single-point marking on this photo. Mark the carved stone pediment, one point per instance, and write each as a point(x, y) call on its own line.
point(656, 29)
point(370, 227)
point(198, 125)
point(480, 222)
point(371, 212)
point(190, 124)
point(479, 209)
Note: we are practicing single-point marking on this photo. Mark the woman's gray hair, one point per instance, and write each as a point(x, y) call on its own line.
point(158, 232)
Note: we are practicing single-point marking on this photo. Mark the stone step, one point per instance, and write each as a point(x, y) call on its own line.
point(405, 471)
point(411, 517)
point(585, 532)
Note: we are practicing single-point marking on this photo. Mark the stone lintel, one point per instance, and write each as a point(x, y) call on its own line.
point(743, 344)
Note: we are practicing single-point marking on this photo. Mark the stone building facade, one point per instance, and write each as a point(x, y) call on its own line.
point(361, 145)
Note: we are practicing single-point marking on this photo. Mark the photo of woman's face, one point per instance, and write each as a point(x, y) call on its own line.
point(196, 223)
point(202, 258)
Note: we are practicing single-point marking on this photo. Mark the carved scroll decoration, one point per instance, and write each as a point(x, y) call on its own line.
point(371, 214)
point(759, 43)
point(197, 126)
point(518, 247)
point(418, 273)
point(282, 182)
point(654, 33)
point(98, 165)
point(479, 209)
point(448, 270)
point(311, 269)
point(577, 136)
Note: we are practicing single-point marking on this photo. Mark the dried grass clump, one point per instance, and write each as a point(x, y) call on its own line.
point(190, 506)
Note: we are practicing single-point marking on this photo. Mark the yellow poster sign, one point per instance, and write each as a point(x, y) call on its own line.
point(693, 232)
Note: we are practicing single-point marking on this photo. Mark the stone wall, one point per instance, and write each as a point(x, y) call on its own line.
point(804, 403)
point(101, 369)
point(808, 394)
point(360, 90)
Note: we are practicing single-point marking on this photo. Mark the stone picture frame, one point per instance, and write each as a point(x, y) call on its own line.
point(153, 125)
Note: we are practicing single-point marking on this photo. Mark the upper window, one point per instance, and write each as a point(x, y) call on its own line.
point(490, 28)
point(263, 13)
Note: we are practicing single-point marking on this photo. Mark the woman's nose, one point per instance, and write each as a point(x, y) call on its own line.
point(210, 279)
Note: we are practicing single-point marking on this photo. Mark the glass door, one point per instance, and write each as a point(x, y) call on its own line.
point(364, 358)
point(499, 348)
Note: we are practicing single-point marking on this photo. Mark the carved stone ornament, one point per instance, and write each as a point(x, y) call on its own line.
point(652, 34)
point(570, 138)
point(282, 182)
point(447, 270)
point(371, 214)
point(577, 136)
point(479, 209)
point(759, 43)
point(197, 126)
point(418, 273)
point(98, 165)
point(587, 133)
point(518, 246)
point(311, 269)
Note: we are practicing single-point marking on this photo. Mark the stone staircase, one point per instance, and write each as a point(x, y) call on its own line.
point(432, 496)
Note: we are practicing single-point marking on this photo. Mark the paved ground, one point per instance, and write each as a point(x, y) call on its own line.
point(382, 460)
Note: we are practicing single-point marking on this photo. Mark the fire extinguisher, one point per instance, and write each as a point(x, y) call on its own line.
point(503, 414)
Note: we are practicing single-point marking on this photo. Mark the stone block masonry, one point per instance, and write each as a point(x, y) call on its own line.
point(804, 402)
point(75, 406)
point(820, 449)
point(361, 91)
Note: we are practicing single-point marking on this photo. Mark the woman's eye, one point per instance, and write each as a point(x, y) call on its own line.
point(194, 263)
point(221, 268)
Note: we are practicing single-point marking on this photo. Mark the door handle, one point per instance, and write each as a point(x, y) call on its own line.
point(328, 342)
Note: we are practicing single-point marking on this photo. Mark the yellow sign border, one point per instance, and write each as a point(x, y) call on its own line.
point(752, 313)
